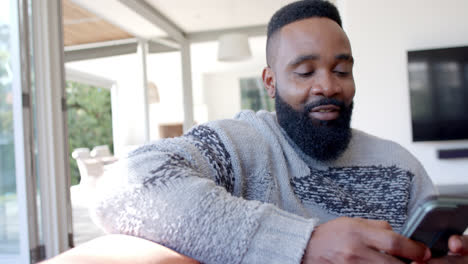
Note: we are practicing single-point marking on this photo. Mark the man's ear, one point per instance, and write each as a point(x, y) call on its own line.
point(269, 81)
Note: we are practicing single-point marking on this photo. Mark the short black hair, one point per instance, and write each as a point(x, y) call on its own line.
point(300, 10)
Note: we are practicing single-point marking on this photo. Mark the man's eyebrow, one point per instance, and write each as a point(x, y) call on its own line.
point(302, 58)
point(346, 57)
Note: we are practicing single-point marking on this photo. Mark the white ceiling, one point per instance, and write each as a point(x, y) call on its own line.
point(203, 15)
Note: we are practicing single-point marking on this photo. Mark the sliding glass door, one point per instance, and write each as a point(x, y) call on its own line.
point(9, 228)
point(19, 229)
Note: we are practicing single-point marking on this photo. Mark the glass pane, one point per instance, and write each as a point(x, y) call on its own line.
point(91, 146)
point(9, 235)
point(254, 96)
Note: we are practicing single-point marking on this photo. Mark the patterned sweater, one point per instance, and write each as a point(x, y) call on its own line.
point(240, 191)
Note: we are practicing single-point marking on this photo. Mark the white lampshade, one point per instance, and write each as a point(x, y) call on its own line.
point(153, 93)
point(233, 47)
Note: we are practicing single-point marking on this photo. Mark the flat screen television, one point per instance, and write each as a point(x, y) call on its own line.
point(438, 84)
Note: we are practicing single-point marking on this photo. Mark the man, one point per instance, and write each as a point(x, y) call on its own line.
point(296, 186)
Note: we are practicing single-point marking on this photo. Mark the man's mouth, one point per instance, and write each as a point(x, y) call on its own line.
point(325, 112)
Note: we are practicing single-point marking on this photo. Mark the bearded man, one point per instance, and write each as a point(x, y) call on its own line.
point(298, 185)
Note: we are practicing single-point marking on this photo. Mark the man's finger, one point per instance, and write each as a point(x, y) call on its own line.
point(378, 223)
point(373, 256)
point(458, 244)
point(397, 245)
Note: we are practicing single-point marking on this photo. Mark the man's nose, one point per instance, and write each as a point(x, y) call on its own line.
point(325, 85)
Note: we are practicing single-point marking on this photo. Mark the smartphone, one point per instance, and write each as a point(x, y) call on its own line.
point(435, 220)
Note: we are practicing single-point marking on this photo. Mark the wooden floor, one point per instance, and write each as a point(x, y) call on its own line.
point(83, 227)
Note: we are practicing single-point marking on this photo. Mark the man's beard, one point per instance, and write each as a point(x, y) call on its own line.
point(321, 140)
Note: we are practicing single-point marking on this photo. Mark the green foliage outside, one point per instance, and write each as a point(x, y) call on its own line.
point(6, 111)
point(89, 120)
point(7, 147)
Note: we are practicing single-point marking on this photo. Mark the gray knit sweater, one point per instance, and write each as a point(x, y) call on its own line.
point(239, 191)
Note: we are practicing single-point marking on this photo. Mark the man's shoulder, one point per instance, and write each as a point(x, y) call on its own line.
point(247, 128)
point(252, 117)
point(374, 143)
point(377, 150)
point(246, 121)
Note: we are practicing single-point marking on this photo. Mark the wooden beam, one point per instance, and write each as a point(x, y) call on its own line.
point(91, 52)
point(155, 17)
point(81, 26)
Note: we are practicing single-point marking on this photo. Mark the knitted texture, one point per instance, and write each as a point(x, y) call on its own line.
point(239, 191)
point(367, 197)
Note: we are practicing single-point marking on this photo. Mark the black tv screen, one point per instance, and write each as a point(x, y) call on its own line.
point(438, 82)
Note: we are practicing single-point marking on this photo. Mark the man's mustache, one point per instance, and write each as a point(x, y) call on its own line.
point(325, 101)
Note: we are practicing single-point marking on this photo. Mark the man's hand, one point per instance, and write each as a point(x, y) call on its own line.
point(458, 246)
point(356, 240)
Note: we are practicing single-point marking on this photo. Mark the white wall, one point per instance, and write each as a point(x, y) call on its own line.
point(222, 93)
point(381, 32)
point(216, 84)
point(216, 91)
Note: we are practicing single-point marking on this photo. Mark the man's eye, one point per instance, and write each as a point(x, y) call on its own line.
point(304, 74)
point(342, 73)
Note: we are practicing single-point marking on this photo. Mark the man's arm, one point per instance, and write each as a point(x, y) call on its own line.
point(177, 193)
point(120, 249)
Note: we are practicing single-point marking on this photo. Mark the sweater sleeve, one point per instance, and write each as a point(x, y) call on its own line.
point(177, 192)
